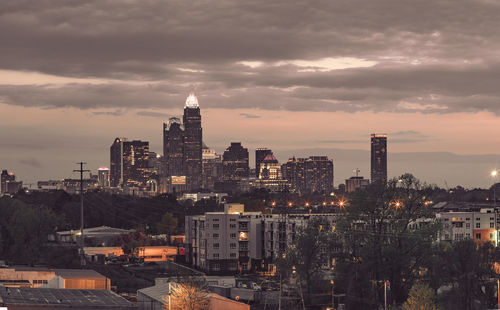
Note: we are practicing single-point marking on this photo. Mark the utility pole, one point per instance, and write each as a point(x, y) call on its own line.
point(82, 242)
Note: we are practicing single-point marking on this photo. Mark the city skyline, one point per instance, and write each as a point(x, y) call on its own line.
point(71, 81)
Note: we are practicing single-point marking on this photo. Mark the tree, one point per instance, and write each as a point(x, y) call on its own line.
point(468, 268)
point(388, 234)
point(167, 225)
point(309, 251)
point(421, 297)
point(129, 242)
point(187, 294)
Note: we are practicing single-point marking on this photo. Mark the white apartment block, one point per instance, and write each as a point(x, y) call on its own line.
point(479, 225)
point(234, 240)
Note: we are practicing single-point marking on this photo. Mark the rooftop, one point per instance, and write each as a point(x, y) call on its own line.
point(63, 297)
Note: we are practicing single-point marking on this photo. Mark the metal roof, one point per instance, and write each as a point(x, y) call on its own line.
point(63, 297)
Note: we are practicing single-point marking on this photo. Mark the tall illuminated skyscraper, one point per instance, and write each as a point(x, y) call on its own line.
point(192, 143)
point(116, 163)
point(173, 147)
point(378, 158)
point(135, 163)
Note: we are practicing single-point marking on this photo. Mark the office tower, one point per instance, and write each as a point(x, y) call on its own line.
point(235, 162)
point(6, 178)
point(173, 147)
point(260, 154)
point(135, 163)
point(378, 158)
point(103, 176)
point(270, 168)
point(116, 163)
point(212, 168)
point(319, 175)
point(294, 172)
point(192, 143)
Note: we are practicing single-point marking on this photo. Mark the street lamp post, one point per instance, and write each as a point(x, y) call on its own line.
point(333, 296)
point(494, 174)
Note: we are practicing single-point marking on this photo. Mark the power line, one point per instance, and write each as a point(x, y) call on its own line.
point(82, 242)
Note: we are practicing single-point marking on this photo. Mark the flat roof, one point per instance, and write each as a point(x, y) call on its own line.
point(63, 297)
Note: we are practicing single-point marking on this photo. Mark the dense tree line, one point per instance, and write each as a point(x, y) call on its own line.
point(386, 236)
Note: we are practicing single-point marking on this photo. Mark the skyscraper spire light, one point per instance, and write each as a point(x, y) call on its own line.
point(192, 101)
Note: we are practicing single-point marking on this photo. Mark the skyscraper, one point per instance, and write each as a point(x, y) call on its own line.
point(116, 162)
point(129, 163)
point(307, 175)
point(235, 162)
point(294, 172)
point(192, 143)
point(212, 168)
point(378, 158)
point(173, 147)
point(319, 174)
point(135, 163)
point(260, 154)
point(270, 168)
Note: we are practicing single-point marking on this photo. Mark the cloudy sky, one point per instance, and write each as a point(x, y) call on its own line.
point(303, 77)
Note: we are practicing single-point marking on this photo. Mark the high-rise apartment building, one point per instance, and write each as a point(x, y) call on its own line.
point(235, 162)
point(192, 143)
point(294, 171)
point(173, 147)
point(378, 158)
point(309, 175)
point(319, 174)
point(260, 154)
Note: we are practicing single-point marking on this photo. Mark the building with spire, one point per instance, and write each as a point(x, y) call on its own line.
point(192, 143)
point(182, 149)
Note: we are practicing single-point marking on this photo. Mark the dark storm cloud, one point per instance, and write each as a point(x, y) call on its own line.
point(432, 56)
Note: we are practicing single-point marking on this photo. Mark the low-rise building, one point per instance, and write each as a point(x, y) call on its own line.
point(23, 298)
point(156, 298)
point(43, 277)
point(479, 224)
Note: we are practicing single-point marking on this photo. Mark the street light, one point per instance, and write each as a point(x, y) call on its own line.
point(333, 296)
